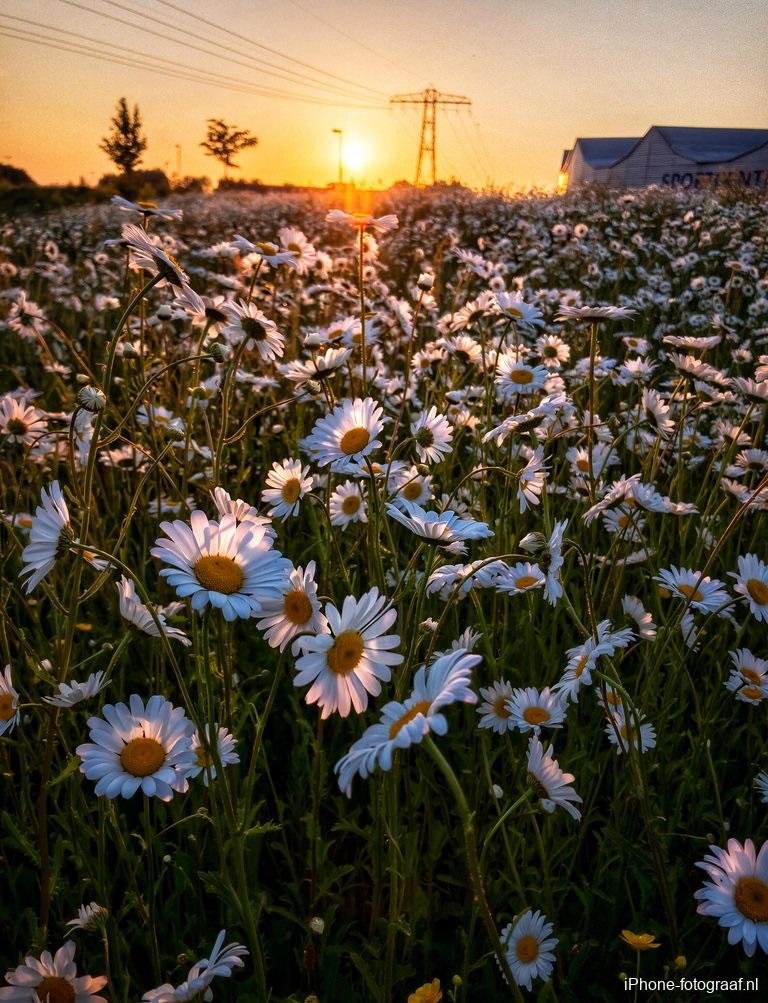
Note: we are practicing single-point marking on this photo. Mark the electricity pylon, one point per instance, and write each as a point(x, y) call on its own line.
point(429, 99)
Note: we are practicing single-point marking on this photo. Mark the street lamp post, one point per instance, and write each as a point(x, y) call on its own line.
point(340, 134)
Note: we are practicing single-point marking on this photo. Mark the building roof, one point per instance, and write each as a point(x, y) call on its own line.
point(605, 152)
point(700, 145)
point(706, 146)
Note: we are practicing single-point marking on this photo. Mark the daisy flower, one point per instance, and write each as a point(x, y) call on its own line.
point(433, 435)
point(737, 894)
point(248, 323)
point(550, 784)
point(595, 313)
point(493, 709)
point(88, 917)
point(147, 209)
point(635, 610)
point(748, 672)
point(752, 583)
point(761, 786)
point(9, 702)
point(135, 612)
point(516, 377)
point(20, 422)
point(361, 220)
point(703, 593)
point(552, 562)
point(224, 959)
point(531, 710)
point(532, 479)
point(243, 511)
point(319, 367)
point(139, 747)
point(430, 992)
point(292, 239)
point(401, 725)
point(350, 660)
point(229, 566)
point(444, 529)
point(412, 487)
point(204, 761)
point(622, 733)
point(70, 694)
point(513, 306)
point(347, 505)
point(295, 612)
point(346, 436)
point(522, 577)
point(288, 483)
point(529, 946)
point(53, 979)
point(147, 254)
point(49, 534)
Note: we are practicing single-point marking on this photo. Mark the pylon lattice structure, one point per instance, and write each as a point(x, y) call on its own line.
point(430, 99)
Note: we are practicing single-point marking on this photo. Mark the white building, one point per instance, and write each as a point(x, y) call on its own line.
point(672, 157)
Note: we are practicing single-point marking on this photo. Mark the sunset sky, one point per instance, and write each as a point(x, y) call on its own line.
point(538, 72)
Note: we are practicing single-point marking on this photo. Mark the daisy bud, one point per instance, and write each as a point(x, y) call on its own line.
point(82, 378)
point(219, 351)
point(313, 387)
point(457, 981)
point(497, 791)
point(91, 399)
point(317, 925)
point(164, 312)
point(680, 962)
point(129, 352)
point(532, 542)
point(425, 281)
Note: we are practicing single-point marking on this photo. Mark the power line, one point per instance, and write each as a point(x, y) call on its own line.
point(460, 126)
point(166, 36)
point(471, 165)
point(72, 47)
point(351, 38)
point(483, 147)
point(201, 75)
point(258, 45)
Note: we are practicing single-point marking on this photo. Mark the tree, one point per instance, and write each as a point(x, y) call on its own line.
point(224, 141)
point(125, 144)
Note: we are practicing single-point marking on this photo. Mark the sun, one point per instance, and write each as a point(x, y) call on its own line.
point(355, 155)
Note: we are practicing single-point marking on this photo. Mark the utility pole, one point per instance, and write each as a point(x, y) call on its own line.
point(429, 99)
point(340, 134)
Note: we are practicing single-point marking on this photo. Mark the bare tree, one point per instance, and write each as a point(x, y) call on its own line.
point(125, 143)
point(225, 141)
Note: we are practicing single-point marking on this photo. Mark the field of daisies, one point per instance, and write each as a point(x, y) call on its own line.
point(384, 598)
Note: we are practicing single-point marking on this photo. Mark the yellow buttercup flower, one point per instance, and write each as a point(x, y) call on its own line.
point(640, 941)
point(430, 992)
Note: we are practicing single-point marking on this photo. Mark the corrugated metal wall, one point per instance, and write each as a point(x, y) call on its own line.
point(653, 162)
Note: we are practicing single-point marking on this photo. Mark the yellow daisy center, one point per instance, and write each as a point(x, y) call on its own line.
point(752, 692)
point(297, 607)
point(525, 581)
point(7, 708)
point(350, 505)
point(219, 574)
point(291, 490)
point(500, 707)
point(582, 465)
point(527, 949)
point(521, 376)
point(751, 676)
point(690, 592)
point(758, 590)
point(25, 521)
point(580, 666)
point(354, 440)
point(623, 521)
point(16, 426)
point(751, 899)
point(513, 311)
point(142, 756)
point(536, 715)
point(202, 758)
point(422, 707)
point(412, 491)
point(54, 989)
point(346, 652)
